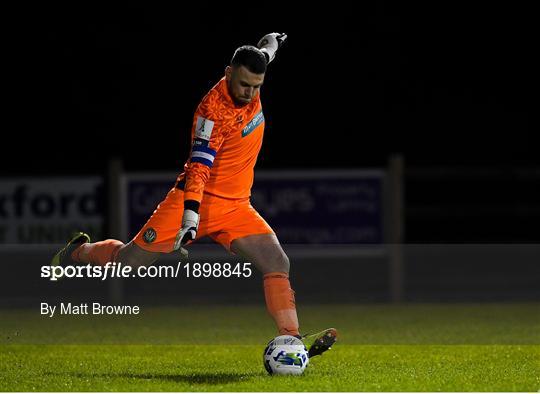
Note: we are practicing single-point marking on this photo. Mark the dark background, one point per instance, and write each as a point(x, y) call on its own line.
point(448, 86)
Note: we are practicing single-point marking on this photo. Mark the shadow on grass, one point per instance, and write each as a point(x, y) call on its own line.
point(194, 378)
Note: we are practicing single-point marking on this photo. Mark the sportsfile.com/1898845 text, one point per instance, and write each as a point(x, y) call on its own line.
point(120, 270)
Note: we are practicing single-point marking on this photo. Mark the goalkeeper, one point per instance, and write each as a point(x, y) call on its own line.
point(211, 197)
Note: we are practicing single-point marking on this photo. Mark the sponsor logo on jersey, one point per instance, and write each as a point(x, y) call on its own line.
point(203, 129)
point(253, 123)
point(200, 142)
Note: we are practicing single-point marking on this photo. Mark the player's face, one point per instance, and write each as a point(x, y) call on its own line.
point(243, 84)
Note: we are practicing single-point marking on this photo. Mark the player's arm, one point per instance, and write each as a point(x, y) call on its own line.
point(208, 136)
point(270, 43)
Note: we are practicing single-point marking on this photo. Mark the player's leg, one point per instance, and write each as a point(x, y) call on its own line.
point(268, 256)
point(156, 237)
point(251, 237)
point(80, 250)
point(265, 252)
point(240, 229)
point(243, 231)
point(100, 253)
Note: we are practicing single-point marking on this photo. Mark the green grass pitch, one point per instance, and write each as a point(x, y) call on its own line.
point(436, 347)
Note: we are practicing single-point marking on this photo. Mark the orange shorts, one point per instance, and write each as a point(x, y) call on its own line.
point(223, 220)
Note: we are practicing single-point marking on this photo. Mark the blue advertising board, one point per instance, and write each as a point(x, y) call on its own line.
point(303, 207)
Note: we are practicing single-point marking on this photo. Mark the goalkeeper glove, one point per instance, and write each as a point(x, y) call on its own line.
point(188, 231)
point(270, 43)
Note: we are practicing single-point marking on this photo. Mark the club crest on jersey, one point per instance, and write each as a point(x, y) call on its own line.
point(203, 129)
point(253, 123)
point(149, 235)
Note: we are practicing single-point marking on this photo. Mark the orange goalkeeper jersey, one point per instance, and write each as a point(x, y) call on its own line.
point(226, 141)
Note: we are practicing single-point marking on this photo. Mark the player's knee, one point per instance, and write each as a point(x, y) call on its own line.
point(132, 256)
point(131, 261)
point(286, 263)
point(281, 263)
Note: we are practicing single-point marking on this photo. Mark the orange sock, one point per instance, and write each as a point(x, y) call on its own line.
point(280, 302)
point(98, 253)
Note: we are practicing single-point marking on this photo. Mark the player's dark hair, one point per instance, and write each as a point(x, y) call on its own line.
point(251, 58)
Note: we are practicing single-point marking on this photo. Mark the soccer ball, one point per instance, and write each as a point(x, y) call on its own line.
point(285, 355)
